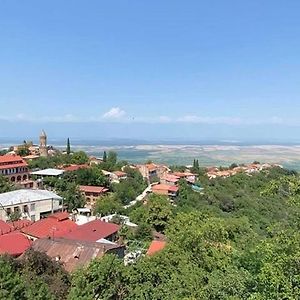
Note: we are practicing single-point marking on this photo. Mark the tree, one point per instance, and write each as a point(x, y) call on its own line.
point(72, 196)
point(159, 212)
point(23, 150)
point(103, 279)
point(104, 156)
point(112, 158)
point(79, 157)
point(5, 185)
point(11, 283)
point(143, 232)
point(68, 147)
point(108, 204)
point(15, 216)
point(90, 176)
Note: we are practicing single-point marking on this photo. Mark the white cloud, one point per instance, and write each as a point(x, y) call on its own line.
point(114, 113)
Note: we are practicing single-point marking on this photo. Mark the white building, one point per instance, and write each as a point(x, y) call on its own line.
point(47, 173)
point(32, 204)
point(124, 219)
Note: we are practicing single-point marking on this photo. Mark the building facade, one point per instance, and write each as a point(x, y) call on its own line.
point(30, 204)
point(14, 167)
point(43, 144)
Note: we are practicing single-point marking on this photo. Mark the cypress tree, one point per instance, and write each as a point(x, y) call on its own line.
point(104, 156)
point(68, 146)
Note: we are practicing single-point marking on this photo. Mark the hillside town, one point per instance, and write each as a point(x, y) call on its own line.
point(73, 207)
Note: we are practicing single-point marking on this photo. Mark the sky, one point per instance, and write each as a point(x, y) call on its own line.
point(193, 70)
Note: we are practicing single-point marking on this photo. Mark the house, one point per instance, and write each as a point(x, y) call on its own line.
point(155, 247)
point(14, 167)
point(92, 193)
point(14, 243)
point(117, 176)
point(152, 171)
point(73, 168)
point(95, 160)
point(93, 231)
point(27, 184)
point(48, 173)
point(31, 157)
point(73, 254)
point(169, 179)
point(188, 176)
point(164, 189)
point(123, 219)
point(82, 215)
point(55, 225)
point(31, 204)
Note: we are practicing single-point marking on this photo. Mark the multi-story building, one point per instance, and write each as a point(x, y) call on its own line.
point(92, 193)
point(30, 204)
point(152, 171)
point(14, 167)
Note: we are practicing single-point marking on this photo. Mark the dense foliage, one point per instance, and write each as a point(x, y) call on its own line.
point(238, 239)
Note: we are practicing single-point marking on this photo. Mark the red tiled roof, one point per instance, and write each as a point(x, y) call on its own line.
point(120, 173)
point(10, 158)
point(11, 161)
point(92, 189)
point(5, 228)
point(17, 225)
point(151, 167)
point(171, 178)
point(92, 231)
point(75, 167)
point(156, 246)
point(55, 225)
point(165, 187)
point(183, 174)
point(14, 243)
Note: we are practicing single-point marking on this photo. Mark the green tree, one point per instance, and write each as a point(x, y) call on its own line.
point(112, 158)
point(103, 279)
point(44, 274)
point(104, 156)
point(79, 157)
point(5, 185)
point(159, 212)
point(108, 204)
point(90, 176)
point(15, 216)
point(72, 196)
point(11, 283)
point(68, 150)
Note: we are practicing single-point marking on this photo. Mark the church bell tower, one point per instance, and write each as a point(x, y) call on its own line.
point(43, 144)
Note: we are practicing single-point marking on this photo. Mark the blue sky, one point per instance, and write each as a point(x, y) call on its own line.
point(150, 69)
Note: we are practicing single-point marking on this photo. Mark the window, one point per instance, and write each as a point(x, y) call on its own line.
point(32, 207)
point(16, 209)
point(25, 208)
point(8, 211)
point(33, 218)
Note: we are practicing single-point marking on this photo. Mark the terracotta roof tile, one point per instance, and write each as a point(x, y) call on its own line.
point(5, 228)
point(92, 189)
point(92, 231)
point(156, 246)
point(54, 226)
point(14, 243)
point(72, 254)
